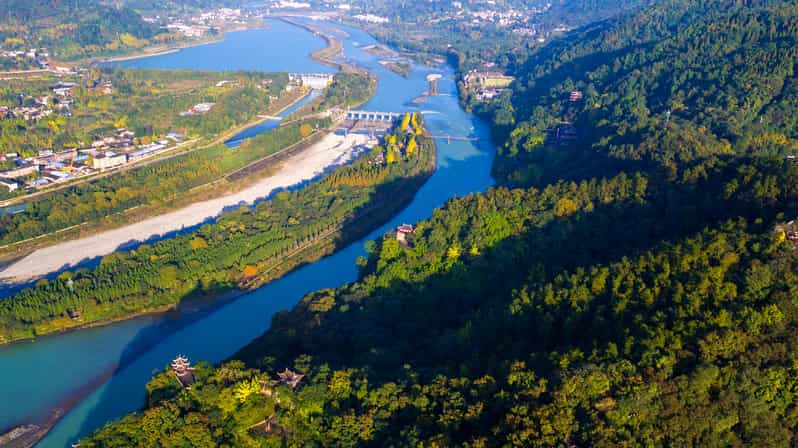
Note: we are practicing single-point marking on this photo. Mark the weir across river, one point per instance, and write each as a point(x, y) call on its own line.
point(390, 117)
point(372, 115)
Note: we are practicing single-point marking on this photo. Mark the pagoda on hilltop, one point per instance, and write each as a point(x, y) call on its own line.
point(183, 371)
point(290, 378)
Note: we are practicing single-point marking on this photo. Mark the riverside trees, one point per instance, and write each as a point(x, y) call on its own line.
point(242, 248)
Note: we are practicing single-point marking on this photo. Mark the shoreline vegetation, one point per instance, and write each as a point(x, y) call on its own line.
point(138, 53)
point(13, 251)
point(18, 249)
point(399, 67)
point(163, 49)
point(169, 272)
point(157, 50)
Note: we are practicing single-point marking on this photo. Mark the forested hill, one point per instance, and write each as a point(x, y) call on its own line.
point(576, 13)
point(69, 28)
point(590, 314)
point(650, 298)
point(679, 81)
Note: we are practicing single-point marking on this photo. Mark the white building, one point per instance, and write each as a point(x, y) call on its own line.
point(291, 5)
point(315, 81)
point(202, 108)
point(371, 18)
point(107, 160)
point(10, 185)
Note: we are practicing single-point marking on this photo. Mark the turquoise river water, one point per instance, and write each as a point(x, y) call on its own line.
point(99, 374)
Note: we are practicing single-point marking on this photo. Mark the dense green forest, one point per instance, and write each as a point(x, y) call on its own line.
point(243, 248)
point(638, 293)
point(510, 322)
point(676, 83)
point(576, 13)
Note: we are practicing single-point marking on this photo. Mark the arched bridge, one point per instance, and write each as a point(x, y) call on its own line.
point(372, 115)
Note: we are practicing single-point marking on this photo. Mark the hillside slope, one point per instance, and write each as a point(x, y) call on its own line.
point(649, 298)
point(71, 29)
point(672, 84)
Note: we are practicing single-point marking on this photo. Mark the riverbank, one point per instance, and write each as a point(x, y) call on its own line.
point(323, 244)
point(12, 251)
point(149, 343)
point(330, 54)
point(155, 51)
point(332, 150)
point(160, 50)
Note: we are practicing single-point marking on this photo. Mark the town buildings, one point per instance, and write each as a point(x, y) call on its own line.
point(487, 84)
point(105, 160)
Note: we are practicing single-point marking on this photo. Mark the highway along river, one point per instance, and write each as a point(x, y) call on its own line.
point(99, 374)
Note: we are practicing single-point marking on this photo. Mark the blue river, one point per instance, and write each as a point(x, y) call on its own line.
point(99, 374)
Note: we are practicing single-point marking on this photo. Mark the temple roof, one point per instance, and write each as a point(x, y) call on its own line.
point(289, 377)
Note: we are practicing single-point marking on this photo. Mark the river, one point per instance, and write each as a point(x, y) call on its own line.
point(100, 373)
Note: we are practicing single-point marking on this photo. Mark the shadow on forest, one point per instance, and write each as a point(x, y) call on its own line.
point(387, 200)
point(431, 325)
point(454, 322)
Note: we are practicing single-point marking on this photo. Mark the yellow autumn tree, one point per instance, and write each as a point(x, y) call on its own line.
point(130, 40)
point(779, 236)
point(246, 389)
point(305, 130)
point(453, 253)
point(411, 146)
point(405, 122)
point(565, 207)
point(13, 42)
point(121, 122)
point(198, 243)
